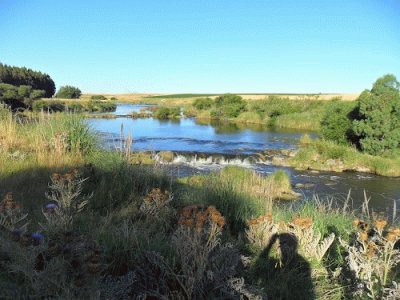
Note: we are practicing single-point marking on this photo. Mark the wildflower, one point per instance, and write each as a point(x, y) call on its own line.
point(380, 224)
point(363, 236)
point(51, 206)
point(37, 238)
point(356, 222)
point(253, 222)
point(69, 176)
point(393, 234)
point(56, 177)
point(268, 216)
point(303, 223)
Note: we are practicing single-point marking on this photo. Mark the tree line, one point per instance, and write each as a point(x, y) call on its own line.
point(21, 76)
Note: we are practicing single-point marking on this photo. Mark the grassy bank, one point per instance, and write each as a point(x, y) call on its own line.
point(329, 156)
point(74, 105)
point(100, 227)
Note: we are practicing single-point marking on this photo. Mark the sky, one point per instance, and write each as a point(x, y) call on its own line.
point(207, 46)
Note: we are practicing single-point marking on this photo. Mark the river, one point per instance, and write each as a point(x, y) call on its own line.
point(201, 147)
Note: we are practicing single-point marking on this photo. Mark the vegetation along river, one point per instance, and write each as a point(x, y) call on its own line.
point(201, 147)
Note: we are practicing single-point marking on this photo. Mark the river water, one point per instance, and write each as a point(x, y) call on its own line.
point(201, 147)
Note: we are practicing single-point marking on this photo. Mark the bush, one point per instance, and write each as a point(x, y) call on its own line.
point(229, 105)
point(336, 124)
point(203, 103)
point(69, 92)
point(98, 97)
point(167, 112)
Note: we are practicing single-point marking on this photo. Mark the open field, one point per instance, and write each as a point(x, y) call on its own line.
point(185, 98)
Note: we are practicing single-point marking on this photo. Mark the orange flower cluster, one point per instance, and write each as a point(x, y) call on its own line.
point(267, 217)
point(156, 195)
point(393, 234)
point(303, 223)
point(68, 177)
point(197, 216)
point(364, 226)
point(366, 230)
point(380, 224)
point(9, 203)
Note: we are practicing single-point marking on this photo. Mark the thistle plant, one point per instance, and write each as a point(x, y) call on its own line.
point(311, 243)
point(155, 201)
point(197, 236)
point(66, 199)
point(372, 256)
point(262, 229)
point(12, 217)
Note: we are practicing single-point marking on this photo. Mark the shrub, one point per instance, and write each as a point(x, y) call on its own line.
point(167, 112)
point(230, 105)
point(69, 92)
point(336, 124)
point(98, 97)
point(203, 103)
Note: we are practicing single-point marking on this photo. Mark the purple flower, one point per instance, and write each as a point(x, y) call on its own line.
point(51, 206)
point(37, 236)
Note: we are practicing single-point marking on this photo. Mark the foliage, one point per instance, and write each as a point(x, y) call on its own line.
point(69, 92)
point(51, 106)
point(17, 77)
point(377, 124)
point(164, 113)
point(373, 256)
point(11, 94)
point(203, 103)
point(336, 124)
point(229, 106)
point(98, 97)
point(66, 200)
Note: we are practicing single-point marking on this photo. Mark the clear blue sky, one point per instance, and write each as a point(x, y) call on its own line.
point(204, 45)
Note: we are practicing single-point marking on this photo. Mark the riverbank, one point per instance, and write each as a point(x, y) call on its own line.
point(323, 155)
point(134, 222)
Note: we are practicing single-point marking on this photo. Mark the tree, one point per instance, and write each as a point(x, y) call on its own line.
point(68, 92)
point(377, 123)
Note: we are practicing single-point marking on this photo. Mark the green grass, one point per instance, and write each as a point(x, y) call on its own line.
point(327, 155)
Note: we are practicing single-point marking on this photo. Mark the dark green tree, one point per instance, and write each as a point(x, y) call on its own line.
point(17, 76)
point(68, 92)
point(377, 123)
